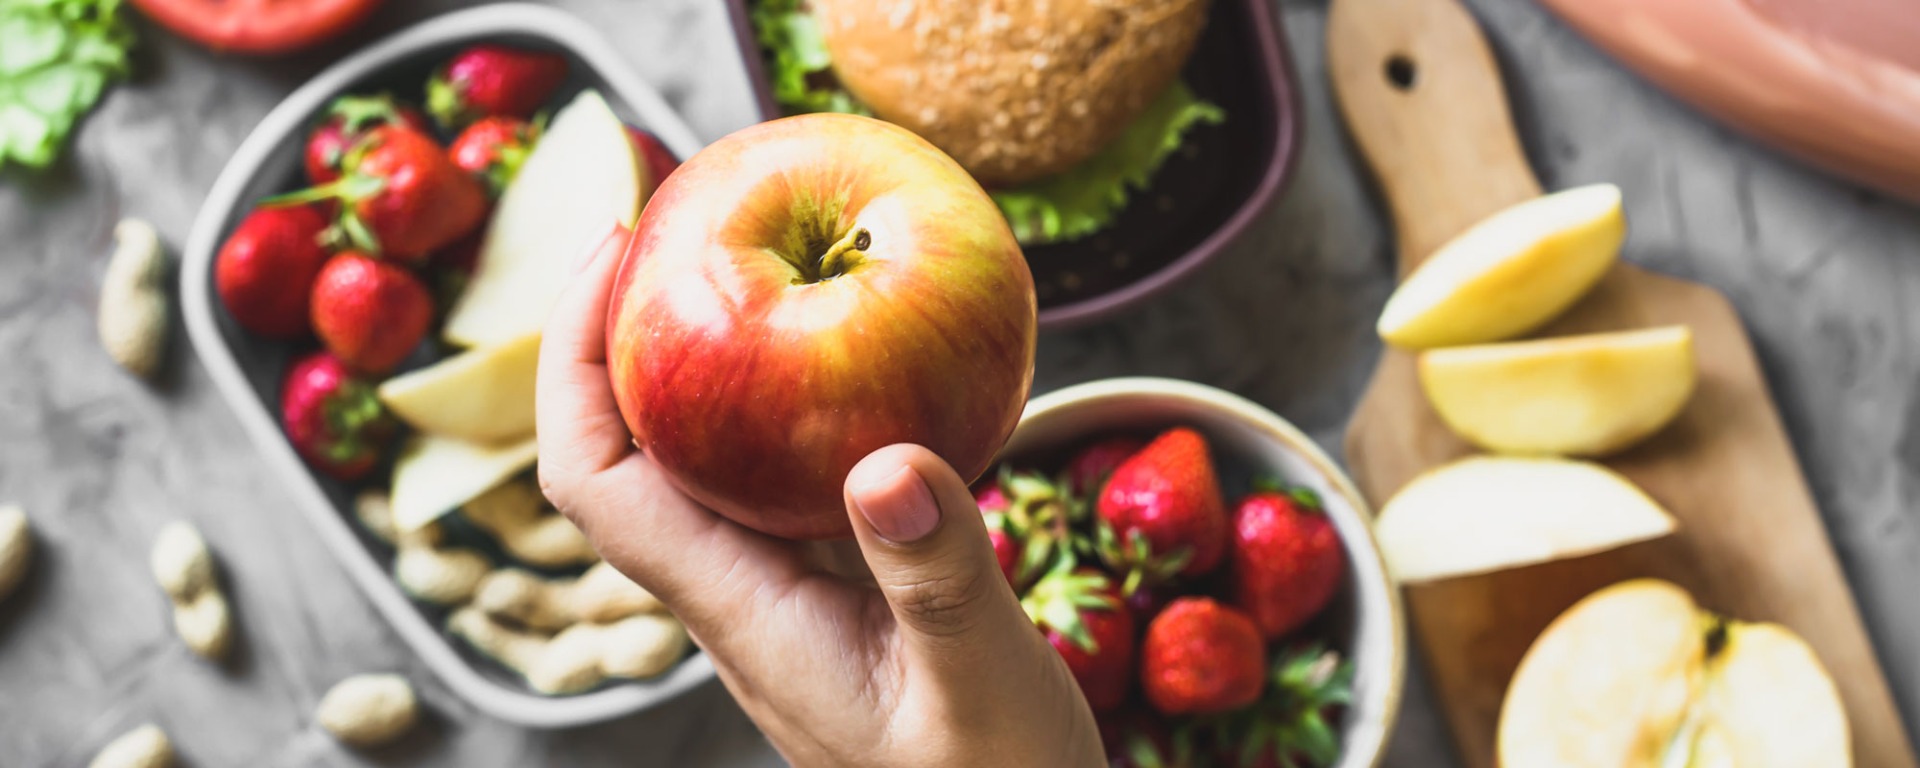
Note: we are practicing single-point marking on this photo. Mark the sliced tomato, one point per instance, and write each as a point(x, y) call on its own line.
point(258, 26)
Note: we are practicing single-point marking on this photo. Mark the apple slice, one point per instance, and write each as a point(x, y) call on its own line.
point(1637, 676)
point(483, 395)
point(1509, 273)
point(1488, 513)
point(582, 178)
point(1578, 395)
point(436, 474)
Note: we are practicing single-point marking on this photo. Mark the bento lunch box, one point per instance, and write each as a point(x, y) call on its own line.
point(247, 371)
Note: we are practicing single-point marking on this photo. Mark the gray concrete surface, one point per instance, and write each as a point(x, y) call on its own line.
point(1823, 272)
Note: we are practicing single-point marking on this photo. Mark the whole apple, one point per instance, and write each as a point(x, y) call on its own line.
point(804, 292)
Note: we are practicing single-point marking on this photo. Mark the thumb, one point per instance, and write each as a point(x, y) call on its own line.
point(922, 536)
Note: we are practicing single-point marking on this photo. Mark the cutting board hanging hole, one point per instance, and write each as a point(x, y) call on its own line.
point(1401, 72)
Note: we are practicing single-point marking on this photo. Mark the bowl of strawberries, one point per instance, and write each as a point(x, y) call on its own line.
point(365, 285)
point(1208, 574)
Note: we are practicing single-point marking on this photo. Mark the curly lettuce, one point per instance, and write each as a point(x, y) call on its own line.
point(56, 58)
point(797, 61)
point(1066, 206)
point(1086, 198)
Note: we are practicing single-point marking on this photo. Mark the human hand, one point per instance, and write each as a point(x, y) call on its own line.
point(905, 647)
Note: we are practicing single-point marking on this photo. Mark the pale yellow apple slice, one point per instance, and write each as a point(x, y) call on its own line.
point(1770, 704)
point(1609, 683)
point(483, 395)
point(1510, 273)
point(1489, 513)
point(436, 474)
point(582, 178)
point(1636, 675)
point(1577, 395)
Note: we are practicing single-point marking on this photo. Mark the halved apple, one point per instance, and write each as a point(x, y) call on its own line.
point(1488, 513)
point(1576, 395)
point(1510, 273)
point(483, 395)
point(582, 178)
point(436, 474)
point(1636, 675)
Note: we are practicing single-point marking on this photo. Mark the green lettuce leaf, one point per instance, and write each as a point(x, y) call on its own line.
point(1087, 197)
point(56, 58)
point(798, 59)
point(1068, 206)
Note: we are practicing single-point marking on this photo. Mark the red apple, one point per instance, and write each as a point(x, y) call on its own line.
point(804, 292)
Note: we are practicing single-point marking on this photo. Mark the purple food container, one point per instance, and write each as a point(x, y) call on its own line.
point(1201, 200)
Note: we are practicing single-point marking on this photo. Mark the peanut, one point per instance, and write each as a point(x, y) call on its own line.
point(369, 710)
point(133, 301)
point(423, 568)
point(184, 569)
point(580, 657)
point(600, 595)
point(16, 548)
point(517, 515)
point(143, 747)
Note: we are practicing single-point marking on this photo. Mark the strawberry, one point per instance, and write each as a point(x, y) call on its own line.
point(1288, 727)
point(660, 160)
point(368, 312)
point(493, 150)
point(264, 272)
point(332, 417)
point(993, 504)
point(1160, 513)
point(1042, 516)
point(1091, 467)
point(451, 268)
point(1200, 657)
point(1136, 738)
point(346, 121)
point(1082, 618)
point(1286, 558)
point(486, 80)
point(401, 196)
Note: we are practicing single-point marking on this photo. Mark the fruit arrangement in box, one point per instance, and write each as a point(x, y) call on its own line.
point(409, 281)
point(1189, 623)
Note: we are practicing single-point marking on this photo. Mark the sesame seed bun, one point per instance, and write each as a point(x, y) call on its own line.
point(1015, 90)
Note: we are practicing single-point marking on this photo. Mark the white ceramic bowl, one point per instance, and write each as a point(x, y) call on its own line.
point(1365, 619)
point(247, 371)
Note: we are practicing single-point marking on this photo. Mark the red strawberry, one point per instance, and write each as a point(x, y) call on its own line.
point(1289, 727)
point(264, 272)
point(993, 504)
point(493, 150)
point(1161, 512)
point(1043, 518)
point(1200, 657)
point(332, 417)
point(485, 80)
point(369, 312)
point(1091, 467)
point(1286, 559)
point(1082, 618)
point(660, 160)
point(402, 197)
point(346, 121)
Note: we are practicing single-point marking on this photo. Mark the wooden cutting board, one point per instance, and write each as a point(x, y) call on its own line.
point(1422, 97)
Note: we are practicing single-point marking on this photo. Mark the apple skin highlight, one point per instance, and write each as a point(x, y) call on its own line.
point(756, 376)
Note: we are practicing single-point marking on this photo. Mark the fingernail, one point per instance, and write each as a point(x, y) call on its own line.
point(899, 506)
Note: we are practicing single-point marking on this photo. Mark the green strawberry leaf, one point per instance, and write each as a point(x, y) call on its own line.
point(56, 58)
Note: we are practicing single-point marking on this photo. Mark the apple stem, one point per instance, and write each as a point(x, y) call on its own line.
point(834, 262)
